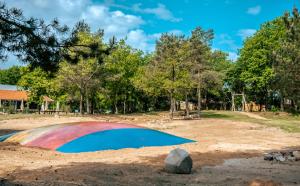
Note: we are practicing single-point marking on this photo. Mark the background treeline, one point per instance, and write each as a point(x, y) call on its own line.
point(82, 72)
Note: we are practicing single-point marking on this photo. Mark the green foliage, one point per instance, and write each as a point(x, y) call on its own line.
point(12, 75)
point(287, 66)
point(120, 68)
point(37, 82)
point(253, 72)
point(30, 39)
point(83, 70)
point(80, 77)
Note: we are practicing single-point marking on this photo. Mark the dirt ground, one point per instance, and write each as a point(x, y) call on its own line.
point(226, 153)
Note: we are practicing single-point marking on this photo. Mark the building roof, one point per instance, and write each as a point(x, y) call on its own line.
point(8, 87)
point(13, 95)
point(46, 98)
point(18, 95)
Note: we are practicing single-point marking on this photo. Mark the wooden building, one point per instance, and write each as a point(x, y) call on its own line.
point(11, 96)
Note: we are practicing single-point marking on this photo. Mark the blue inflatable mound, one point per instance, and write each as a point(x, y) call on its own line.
point(121, 138)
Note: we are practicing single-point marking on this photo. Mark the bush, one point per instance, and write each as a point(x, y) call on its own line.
point(11, 109)
point(274, 109)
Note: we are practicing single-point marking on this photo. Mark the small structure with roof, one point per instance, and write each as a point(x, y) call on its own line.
point(10, 95)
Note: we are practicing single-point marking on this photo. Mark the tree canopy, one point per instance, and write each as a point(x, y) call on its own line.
point(88, 73)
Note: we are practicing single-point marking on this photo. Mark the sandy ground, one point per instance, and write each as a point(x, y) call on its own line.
point(226, 153)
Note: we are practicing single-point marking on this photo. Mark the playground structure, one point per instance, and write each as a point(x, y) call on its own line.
point(246, 107)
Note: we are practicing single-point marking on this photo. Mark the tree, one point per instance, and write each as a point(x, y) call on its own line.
point(12, 75)
point(37, 82)
point(31, 40)
point(120, 68)
point(77, 55)
point(214, 78)
point(78, 77)
point(253, 72)
point(167, 66)
point(199, 57)
point(167, 72)
point(287, 65)
point(40, 44)
point(86, 44)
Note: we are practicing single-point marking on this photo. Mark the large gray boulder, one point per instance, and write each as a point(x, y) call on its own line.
point(179, 161)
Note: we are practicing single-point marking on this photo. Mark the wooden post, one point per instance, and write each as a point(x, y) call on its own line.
point(199, 101)
point(22, 105)
point(232, 102)
point(46, 105)
point(57, 109)
point(244, 101)
point(43, 107)
point(187, 109)
point(57, 106)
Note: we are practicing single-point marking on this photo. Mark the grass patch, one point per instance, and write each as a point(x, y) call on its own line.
point(285, 121)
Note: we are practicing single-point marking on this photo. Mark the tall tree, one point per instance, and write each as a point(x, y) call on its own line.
point(78, 77)
point(120, 68)
point(31, 40)
point(199, 57)
point(38, 83)
point(79, 53)
point(42, 44)
point(167, 66)
point(253, 73)
point(287, 65)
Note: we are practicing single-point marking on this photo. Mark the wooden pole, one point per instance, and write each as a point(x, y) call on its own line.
point(46, 105)
point(22, 105)
point(244, 101)
point(232, 102)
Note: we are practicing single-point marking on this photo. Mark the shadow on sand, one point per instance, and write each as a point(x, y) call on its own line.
point(242, 168)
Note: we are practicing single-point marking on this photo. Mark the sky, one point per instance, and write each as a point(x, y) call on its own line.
point(142, 22)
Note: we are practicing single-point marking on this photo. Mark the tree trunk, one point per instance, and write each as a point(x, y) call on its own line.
point(281, 104)
point(267, 95)
point(187, 109)
point(206, 105)
point(124, 107)
point(295, 105)
point(87, 105)
point(232, 102)
point(116, 108)
point(199, 101)
point(243, 102)
point(171, 106)
point(81, 103)
point(92, 106)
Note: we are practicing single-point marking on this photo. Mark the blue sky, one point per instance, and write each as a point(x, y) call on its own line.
point(142, 22)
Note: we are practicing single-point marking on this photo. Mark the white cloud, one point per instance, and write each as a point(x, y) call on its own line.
point(160, 11)
point(175, 32)
point(114, 23)
point(225, 39)
point(140, 40)
point(244, 33)
point(117, 23)
point(232, 56)
point(146, 42)
point(71, 11)
point(98, 16)
point(254, 10)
